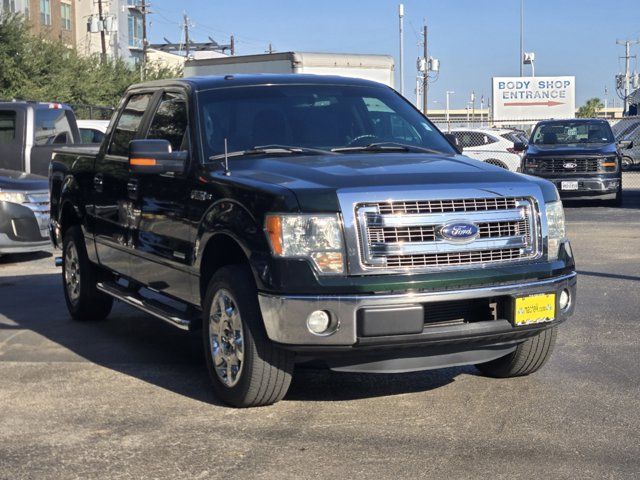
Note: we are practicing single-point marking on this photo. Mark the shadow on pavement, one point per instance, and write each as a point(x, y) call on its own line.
point(325, 385)
point(630, 200)
point(609, 275)
point(23, 257)
point(143, 347)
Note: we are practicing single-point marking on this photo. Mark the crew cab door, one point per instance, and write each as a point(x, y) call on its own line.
point(163, 237)
point(114, 209)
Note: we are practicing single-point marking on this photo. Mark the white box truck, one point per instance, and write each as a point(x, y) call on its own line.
point(379, 68)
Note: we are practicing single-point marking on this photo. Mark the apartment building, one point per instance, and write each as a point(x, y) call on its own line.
point(54, 19)
point(121, 23)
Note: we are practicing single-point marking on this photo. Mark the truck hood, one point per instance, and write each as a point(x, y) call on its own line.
point(572, 149)
point(316, 179)
point(13, 180)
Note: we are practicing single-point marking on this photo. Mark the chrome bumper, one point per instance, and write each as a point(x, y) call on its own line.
point(285, 316)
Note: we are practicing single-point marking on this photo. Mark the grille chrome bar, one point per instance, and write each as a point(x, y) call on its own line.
point(396, 220)
point(442, 247)
point(508, 230)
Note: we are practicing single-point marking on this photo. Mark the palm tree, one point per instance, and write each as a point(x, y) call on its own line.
point(590, 108)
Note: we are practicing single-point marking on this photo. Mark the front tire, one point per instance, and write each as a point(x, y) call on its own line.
point(245, 367)
point(528, 357)
point(79, 278)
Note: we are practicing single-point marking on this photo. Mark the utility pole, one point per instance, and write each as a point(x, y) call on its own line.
point(401, 18)
point(425, 77)
point(521, 35)
point(145, 43)
point(103, 40)
point(627, 69)
point(232, 45)
point(186, 33)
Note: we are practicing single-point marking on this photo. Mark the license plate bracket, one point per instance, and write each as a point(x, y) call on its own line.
point(534, 309)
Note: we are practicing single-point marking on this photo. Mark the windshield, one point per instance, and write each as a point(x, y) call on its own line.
point(564, 133)
point(312, 116)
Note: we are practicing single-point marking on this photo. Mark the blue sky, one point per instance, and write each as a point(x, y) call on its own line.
point(474, 39)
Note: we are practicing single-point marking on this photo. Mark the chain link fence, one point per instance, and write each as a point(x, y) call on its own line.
point(92, 112)
point(494, 142)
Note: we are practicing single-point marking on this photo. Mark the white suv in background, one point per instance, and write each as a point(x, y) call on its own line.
point(491, 145)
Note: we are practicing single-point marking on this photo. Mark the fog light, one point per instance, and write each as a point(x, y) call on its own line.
point(564, 300)
point(318, 322)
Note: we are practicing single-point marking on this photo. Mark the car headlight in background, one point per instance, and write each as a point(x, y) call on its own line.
point(555, 224)
point(12, 196)
point(315, 237)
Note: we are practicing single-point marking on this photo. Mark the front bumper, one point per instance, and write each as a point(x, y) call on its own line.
point(22, 229)
point(588, 186)
point(285, 316)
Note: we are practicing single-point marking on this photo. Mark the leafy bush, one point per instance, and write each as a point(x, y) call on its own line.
point(35, 68)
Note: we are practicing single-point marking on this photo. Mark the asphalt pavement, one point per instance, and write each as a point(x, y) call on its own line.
point(125, 398)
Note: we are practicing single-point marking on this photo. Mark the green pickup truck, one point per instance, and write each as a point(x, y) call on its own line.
point(288, 219)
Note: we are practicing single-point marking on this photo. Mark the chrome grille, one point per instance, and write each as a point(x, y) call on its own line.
point(442, 206)
point(407, 234)
point(573, 165)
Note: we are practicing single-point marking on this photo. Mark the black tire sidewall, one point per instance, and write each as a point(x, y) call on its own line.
point(237, 281)
point(91, 303)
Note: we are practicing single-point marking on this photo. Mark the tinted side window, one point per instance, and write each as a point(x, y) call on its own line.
point(89, 135)
point(128, 124)
point(170, 121)
point(7, 127)
point(52, 127)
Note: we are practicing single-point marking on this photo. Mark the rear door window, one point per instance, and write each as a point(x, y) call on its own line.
point(128, 124)
point(7, 127)
point(170, 121)
point(52, 127)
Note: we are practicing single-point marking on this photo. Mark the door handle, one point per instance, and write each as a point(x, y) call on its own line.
point(98, 182)
point(132, 189)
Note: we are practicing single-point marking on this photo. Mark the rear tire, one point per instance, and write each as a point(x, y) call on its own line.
point(626, 163)
point(79, 279)
point(528, 357)
point(245, 367)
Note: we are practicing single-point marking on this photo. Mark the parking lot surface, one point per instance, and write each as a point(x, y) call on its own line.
point(125, 398)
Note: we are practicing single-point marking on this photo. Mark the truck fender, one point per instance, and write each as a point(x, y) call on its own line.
point(225, 220)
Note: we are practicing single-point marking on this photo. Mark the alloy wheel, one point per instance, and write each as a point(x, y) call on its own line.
point(226, 338)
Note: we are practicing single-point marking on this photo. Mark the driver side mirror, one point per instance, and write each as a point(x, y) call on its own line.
point(519, 146)
point(454, 141)
point(625, 144)
point(155, 157)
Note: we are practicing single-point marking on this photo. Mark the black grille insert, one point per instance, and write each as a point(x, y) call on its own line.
point(455, 312)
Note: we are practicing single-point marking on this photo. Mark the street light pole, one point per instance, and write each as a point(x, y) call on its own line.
point(521, 34)
point(401, 19)
point(447, 93)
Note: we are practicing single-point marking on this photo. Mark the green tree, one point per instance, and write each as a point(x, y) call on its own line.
point(34, 68)
point(590, 108)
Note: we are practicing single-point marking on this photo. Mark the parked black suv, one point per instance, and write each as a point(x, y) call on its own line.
point(580, 156)
point(301, 218)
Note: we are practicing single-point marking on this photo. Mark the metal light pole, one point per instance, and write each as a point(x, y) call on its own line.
point(521, 34)
point(401, 19)
point(447, 93)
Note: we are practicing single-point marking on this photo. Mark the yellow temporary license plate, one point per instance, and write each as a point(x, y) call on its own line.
point(535, 309)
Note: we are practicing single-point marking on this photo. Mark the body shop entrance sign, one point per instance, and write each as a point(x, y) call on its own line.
point(528, 98)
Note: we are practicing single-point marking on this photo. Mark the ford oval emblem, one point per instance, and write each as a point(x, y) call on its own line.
point(459, 231)
point(570, 165)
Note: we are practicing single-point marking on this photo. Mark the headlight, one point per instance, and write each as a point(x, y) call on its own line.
point(13, 197)
point(317, 238)
point(555, 224)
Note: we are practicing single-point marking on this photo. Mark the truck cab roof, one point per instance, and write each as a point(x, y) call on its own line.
point(208, 82)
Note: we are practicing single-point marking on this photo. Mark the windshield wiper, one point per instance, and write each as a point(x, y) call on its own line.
point(385, 147)
point(273, 150)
